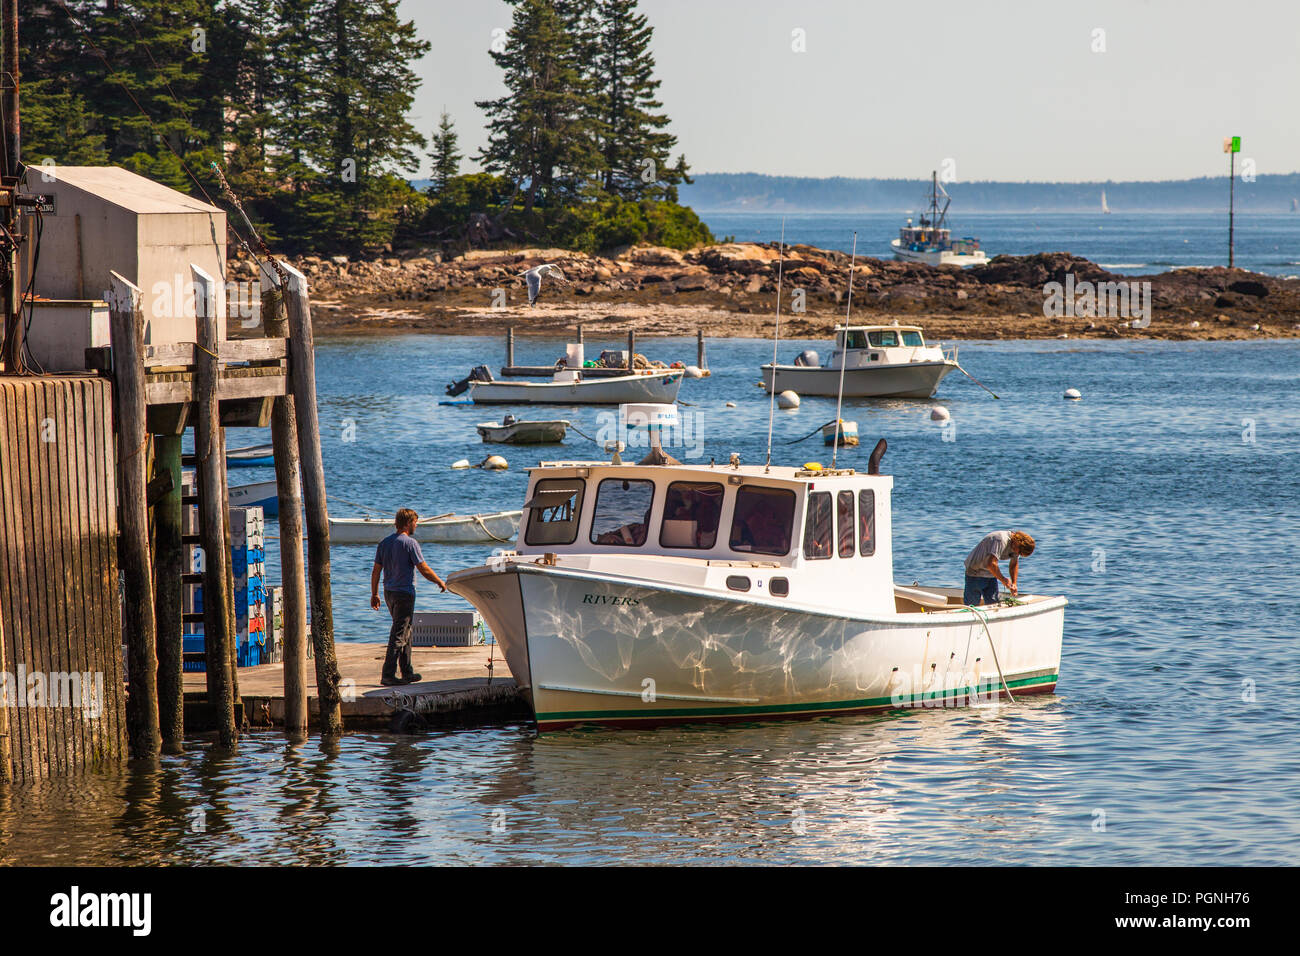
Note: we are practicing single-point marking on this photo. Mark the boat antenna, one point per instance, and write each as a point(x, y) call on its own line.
point(771, 403)
point(844, 355)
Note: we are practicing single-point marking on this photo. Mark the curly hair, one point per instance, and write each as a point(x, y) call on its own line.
point(1023, 543)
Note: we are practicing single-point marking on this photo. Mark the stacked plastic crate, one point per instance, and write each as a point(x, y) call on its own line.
point(248, 568)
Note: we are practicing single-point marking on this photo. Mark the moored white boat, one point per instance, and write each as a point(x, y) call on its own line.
point(569, 387)
point(880, 361)
point(485, 528)
point(512, 431)
point(657, 593)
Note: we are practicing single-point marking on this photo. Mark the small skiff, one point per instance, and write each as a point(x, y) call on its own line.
point(486, 528)
point(254, 456)
point(262, 493)
point(511, 431)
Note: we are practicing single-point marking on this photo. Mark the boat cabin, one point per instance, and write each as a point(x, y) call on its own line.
point(867, 345)
point(928, 238)
point(798, 534)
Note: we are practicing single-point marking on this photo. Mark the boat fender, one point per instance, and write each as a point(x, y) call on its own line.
point(877, 453)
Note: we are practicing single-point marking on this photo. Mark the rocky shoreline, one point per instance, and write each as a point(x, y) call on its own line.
point(729, 290)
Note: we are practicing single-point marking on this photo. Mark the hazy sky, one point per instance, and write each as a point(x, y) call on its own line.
point(1006, 89)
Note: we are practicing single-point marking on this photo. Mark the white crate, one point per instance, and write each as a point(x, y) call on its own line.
point(445, 628)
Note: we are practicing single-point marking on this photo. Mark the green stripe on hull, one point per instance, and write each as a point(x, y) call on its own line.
point(926, 701)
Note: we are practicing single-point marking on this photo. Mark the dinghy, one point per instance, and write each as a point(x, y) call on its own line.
point(485, 528)
point(512, 431)
point(254, 456)
point(660, 592)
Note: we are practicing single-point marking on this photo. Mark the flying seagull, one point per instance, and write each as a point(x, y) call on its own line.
point(534, 277)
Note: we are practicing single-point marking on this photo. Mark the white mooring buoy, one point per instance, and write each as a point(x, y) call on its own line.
point(1073, 394)
point(787, 399)
point(463, 463)
point(694, 371)
point(731, 404)
point(494, 463)
point(939, 414)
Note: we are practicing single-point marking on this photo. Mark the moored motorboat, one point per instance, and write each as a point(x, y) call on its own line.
point(485, 528)
point(513, 431)
point(661, 592)
point(260, 493)
point(879, 361)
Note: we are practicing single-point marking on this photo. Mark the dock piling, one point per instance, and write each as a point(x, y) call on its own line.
point(210, 459)
point(510, 346)
point(631, 350)
point(169, 565)
point(700, 361)
point(126, 318)
point(284, 440)
point(302, 374)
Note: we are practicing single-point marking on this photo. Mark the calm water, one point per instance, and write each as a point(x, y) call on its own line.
point(1175, 536)
point(1126, 243)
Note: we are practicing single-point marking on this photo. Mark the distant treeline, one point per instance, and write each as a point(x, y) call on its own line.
point(737, 192)
point(305, 105)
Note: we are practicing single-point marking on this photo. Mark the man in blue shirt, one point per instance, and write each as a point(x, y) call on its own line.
point(399, 557)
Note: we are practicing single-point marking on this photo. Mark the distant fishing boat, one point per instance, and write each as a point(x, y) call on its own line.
point(1104, 208)
point(254, 456)
point(930, 242)
point(512, 431)
point(485, 528)
point(262, 494)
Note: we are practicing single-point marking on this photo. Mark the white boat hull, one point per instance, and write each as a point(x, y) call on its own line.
point(938, 257)
point(905, 380)
point(661, 387)
point(265, 494)
point(500, 526)
point(587, 647)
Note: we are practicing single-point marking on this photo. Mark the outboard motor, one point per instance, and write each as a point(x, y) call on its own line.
point(479, 373)
point(808, 357)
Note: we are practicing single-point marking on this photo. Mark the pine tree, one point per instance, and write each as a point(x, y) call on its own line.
point(540, 133)
point(633, 141)
point(446, 158)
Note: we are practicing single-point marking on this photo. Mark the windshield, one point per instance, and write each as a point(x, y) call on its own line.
point(913, 338)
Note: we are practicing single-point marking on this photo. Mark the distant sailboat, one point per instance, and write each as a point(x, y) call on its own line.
point(1104, 208)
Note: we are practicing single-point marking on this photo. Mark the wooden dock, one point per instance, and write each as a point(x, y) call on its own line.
point(456, 689)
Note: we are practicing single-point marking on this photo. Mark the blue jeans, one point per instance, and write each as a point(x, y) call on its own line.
point(980, 591)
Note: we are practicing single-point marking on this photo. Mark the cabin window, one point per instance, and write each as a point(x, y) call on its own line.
point(763, 520)
point(844, 522)
point(817, 526)
point(691, 513)
point(883, 340)
point(554, 510)
point(857, 339)
point(779, 587)
point(738, 582)
point(622, 515)
point(913, 339)
point(866, 523)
